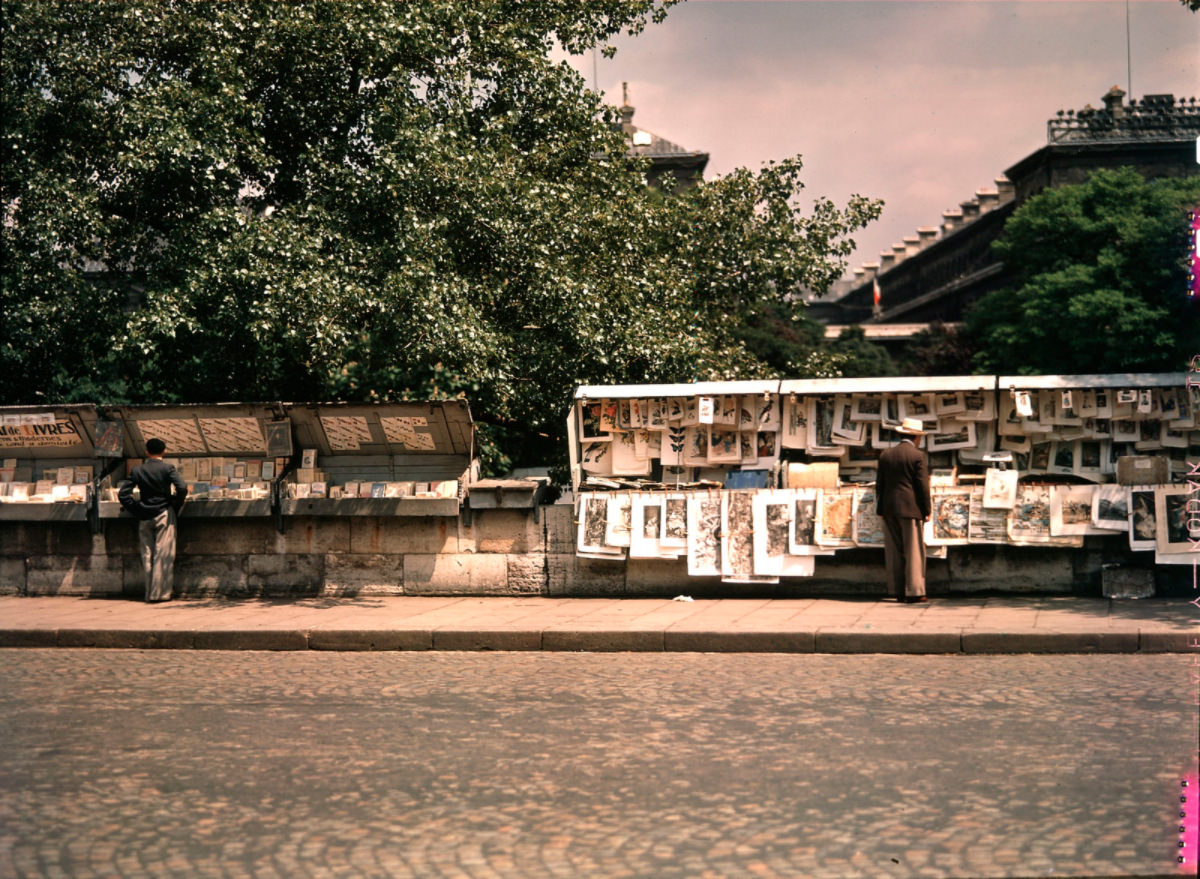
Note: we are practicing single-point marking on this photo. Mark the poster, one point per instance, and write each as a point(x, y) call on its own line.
point(703, 535)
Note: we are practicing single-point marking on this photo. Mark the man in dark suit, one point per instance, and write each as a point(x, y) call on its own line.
point(161, 492)
point(902, 500)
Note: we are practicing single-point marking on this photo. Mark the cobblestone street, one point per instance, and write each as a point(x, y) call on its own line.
point(181, 763)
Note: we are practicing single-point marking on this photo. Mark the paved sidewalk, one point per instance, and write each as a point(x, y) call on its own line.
point(1008, 624)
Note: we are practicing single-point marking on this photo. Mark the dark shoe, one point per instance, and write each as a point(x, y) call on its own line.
point(919, 599)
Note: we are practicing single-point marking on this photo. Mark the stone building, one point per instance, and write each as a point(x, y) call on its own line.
point(938, 271)
point(686, 166)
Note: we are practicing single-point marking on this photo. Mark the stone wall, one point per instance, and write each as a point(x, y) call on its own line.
point(496, 552)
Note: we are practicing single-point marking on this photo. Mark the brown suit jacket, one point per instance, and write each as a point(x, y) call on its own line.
point(902, 483)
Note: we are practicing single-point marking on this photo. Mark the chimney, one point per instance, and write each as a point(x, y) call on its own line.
point(987, 198)
point(870, 270)
point(1114, 102)
point(887, 259)
point(951, 219)
point(899, 251)
point(970, 210)
point(626, 110)
point(927, 234)
point(912, 244)
point(1005, 188)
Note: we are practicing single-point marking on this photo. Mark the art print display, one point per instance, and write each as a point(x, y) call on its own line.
point(917, 406)
point(625, 460)
point(1029, 519)
point(1071, 510)
point(672, 444)
point(675, 521)
point(596, 457)
point(1091, 460)
point(955, 435)
point(868, 525)
point(1143, 525)
point(773, 557)
point(656, 413)
point(835, 518)
point(767, 448)
point(737, 540)
point(986, 525)
point(803, 534)
point(608, 416)
point(593, 525)
point(619, 522)
point(1110, 507)
point(795, 423)
point(749, 444)
point(846, 431)
point(646, 525)
point(949, 403)
point(704, 535)
point(866, 407)
point(589, 421)
point(695, 445)
point(978, 406)
point(1177, 519)
point(999, 489)
point(820, 428)
point(724, 445)
point(950, 517)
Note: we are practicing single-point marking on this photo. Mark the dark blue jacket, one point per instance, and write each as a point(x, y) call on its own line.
point(160, 486)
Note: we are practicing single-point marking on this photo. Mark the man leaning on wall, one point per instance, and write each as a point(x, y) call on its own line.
point(161, 493)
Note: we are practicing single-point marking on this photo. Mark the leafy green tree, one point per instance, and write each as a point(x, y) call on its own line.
point(364, 201)
point(861, 358)
point(940, 349)
point(1099, 281)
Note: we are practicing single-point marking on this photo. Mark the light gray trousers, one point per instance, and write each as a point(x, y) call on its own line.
point(157, 539)
point(904, 556)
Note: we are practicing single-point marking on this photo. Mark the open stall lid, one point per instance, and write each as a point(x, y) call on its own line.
point(48, 432)
point(441, 427)
point(217, 429)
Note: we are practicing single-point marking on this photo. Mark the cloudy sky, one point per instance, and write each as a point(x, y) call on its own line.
point(916, 102)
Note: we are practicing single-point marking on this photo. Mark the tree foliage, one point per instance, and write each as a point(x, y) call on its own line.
point(1099, 281)
point(364, 201)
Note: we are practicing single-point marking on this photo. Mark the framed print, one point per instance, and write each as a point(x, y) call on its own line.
point(1011, 422)
point(1177, 519)
point(1090, 457)
point(608, 416)
point(676, 410)
point(820, 425)
point(866, 407)
point(1143, 527)
point(624, 415)
point(949, 403)
point(802, 536)
point(704, 535)
point(1063, 458)
point(728, 411)
point(1125, 431)
point(835, 518)
point(845, 429)
point(1071, 510)
point(1149, 435)
point(978, 406)
point(1110, 507)
point(656, 413)
point(883, 437)
point(951, 517)
point(1170, 438)
point(917, 406)
point(889, 411)
point(958, 435)
point(1087, 404)
point(1016, 444)
point(674, 522)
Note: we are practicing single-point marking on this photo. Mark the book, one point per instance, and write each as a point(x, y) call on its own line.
point(308, 459)
point(268, 469)
point(379, 489)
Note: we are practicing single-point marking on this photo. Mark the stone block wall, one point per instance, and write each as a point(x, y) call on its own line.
point(495, 552)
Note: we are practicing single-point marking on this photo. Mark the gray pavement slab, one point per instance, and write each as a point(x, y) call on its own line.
point(1005, 624)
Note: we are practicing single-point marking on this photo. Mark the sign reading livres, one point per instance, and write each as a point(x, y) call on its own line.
point(44, 434)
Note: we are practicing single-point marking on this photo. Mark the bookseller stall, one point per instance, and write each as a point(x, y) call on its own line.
point(51, 461)
point(751, 482)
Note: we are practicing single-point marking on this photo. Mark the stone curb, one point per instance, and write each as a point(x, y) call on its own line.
point(580, 639)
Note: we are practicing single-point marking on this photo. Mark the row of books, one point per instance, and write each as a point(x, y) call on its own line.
point(44, 491)
point(447, 488)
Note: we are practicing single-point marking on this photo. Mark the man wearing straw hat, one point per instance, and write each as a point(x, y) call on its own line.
point(902, 500)
point(161, 492)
